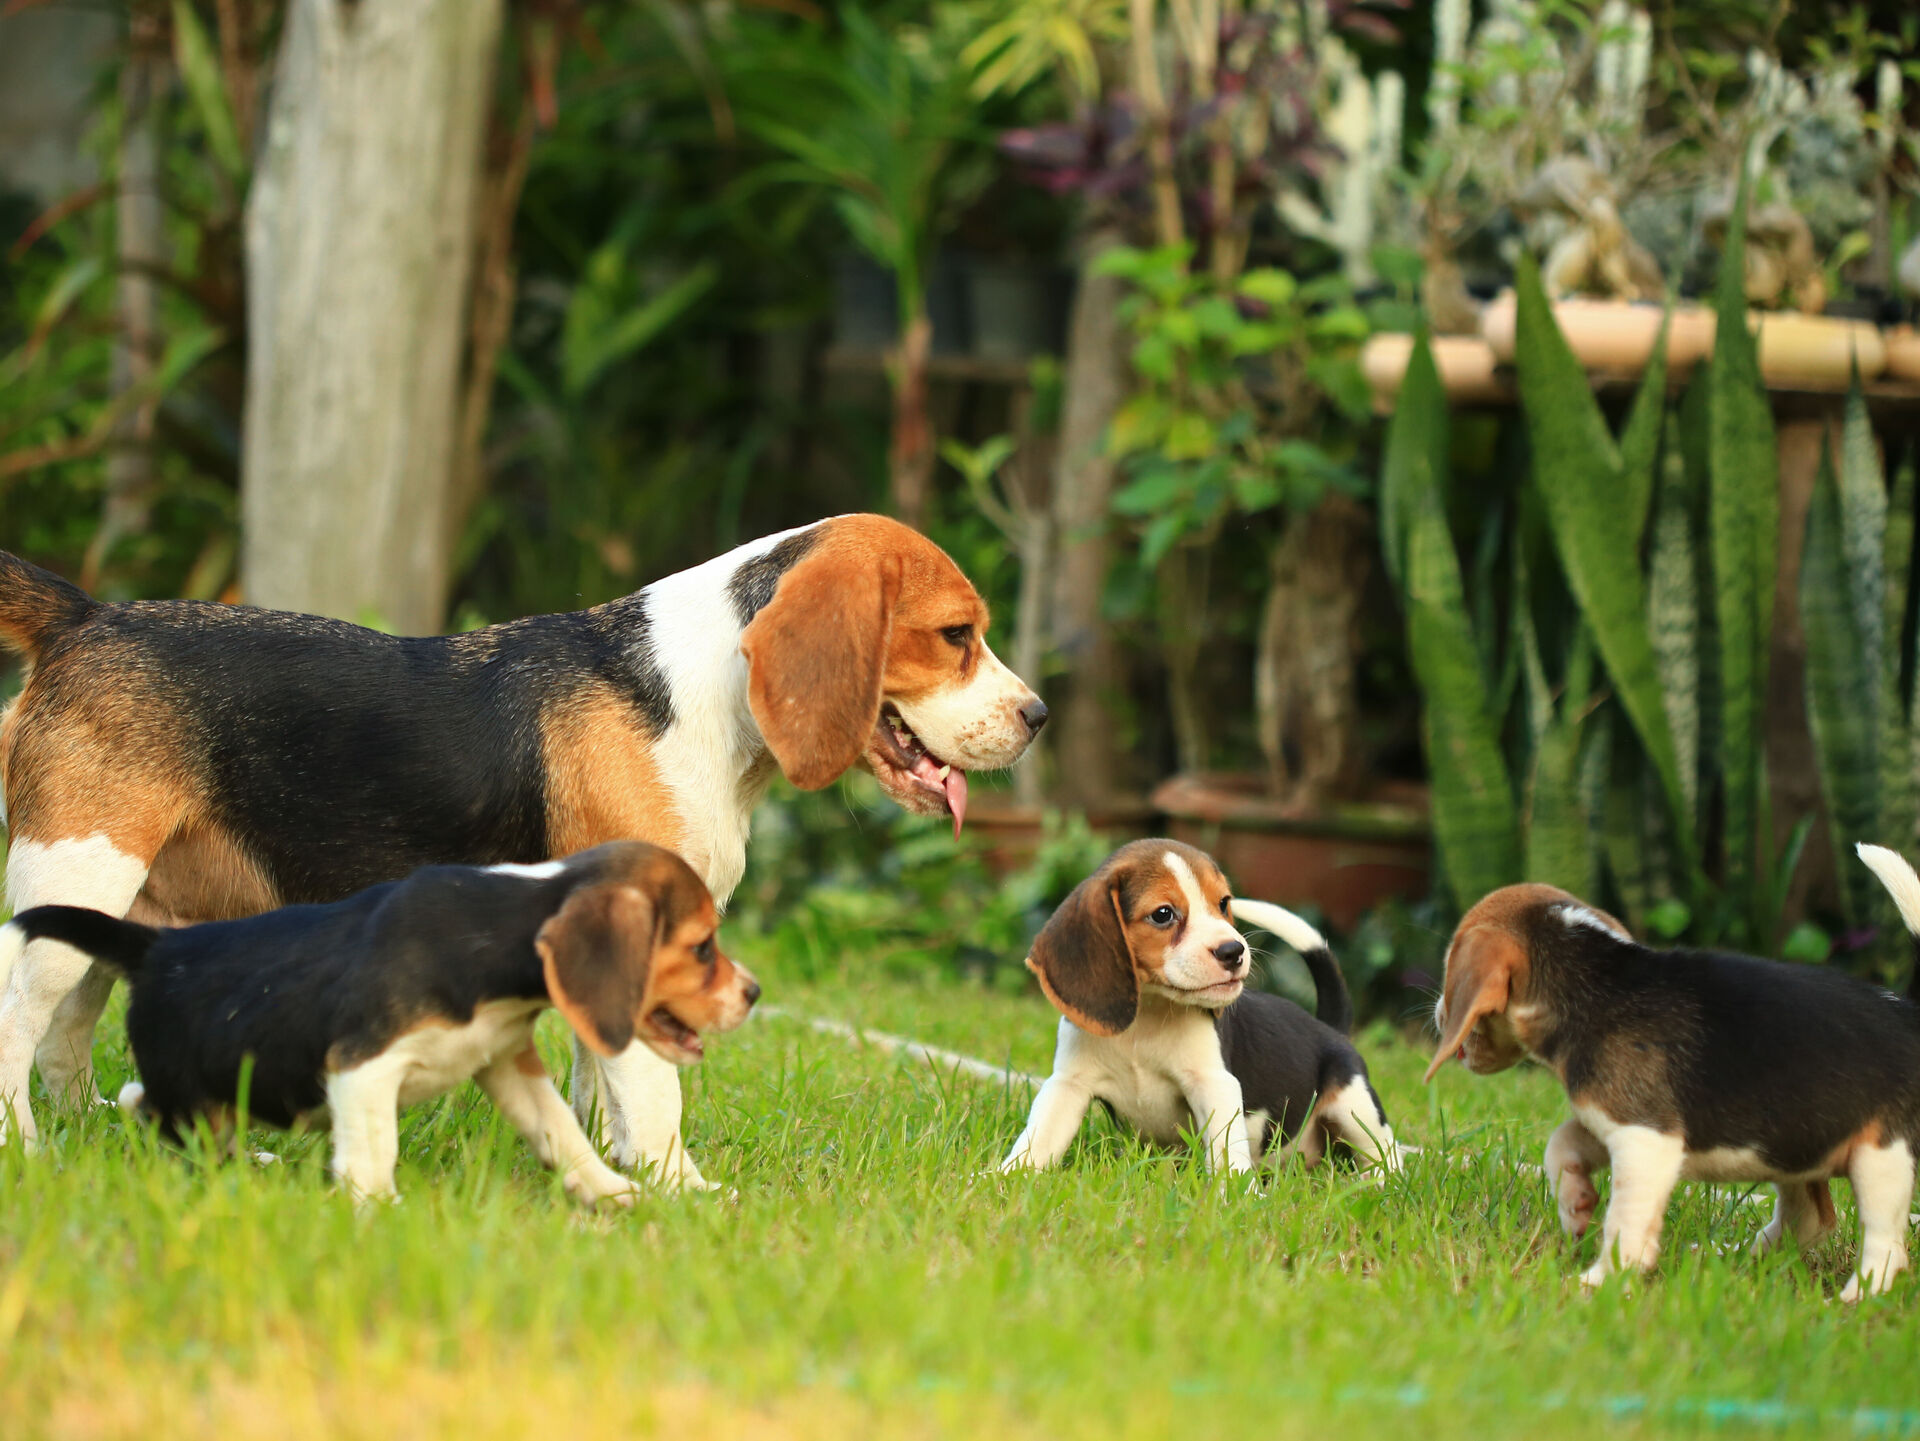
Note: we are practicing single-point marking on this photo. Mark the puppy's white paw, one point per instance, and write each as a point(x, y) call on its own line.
point(132, 1096)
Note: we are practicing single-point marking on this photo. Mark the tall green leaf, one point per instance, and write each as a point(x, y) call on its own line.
point(1474, 818)
point(1640, 441)
point(1843, 685)
point(1900, 806)
point(200, 70)
point(1743, 472)
point(1559, 850)
point(1673, 616)
point(1577, 472)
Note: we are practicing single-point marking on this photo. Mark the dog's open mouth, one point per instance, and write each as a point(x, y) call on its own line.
point(905, 754)
point(673, 1038)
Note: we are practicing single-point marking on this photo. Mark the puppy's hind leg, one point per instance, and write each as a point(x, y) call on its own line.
point(1353, 1115)
point(1882, 1179)
point(1573, 1155)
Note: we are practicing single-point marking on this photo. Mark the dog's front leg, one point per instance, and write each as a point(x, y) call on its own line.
point(1573, 1155)
point(1646, 1167)
point(1219, 1110)
point(1059, 1107)
point(635, 1100)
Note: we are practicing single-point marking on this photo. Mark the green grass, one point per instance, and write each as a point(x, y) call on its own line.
point(868, 1279)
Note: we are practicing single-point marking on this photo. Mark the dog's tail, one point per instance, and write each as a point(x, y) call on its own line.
point(36, 605)
point(120, 944)
point(1332, 1004)
point(1904, 886)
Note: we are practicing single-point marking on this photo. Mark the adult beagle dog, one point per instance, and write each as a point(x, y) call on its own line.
point(174, 761)
point(1696, 1065)
point(347, 1012)
point(1149, 975)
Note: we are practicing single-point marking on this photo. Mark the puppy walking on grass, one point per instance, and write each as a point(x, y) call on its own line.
point(1696, 1065)
point(345, 1013)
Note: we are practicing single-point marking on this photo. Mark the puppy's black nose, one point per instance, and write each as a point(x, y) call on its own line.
point(1034, 713)
point(1230, 954)
point(753, 992)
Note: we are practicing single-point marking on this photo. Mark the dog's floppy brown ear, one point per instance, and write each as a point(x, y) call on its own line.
point(1084, 961)
point(816, 659)
point(595, 952)
point(1479, 978)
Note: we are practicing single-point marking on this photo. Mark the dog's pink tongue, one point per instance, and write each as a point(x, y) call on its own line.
point(956, 784)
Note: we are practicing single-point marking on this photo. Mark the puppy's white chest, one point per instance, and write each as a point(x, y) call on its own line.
point(1147, 1074)
point(436, 1058)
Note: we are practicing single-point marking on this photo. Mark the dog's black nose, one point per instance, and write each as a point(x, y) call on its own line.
point(1034, 713)
point(1230, 954)
point(753, 992)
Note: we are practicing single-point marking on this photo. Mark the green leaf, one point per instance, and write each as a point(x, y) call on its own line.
point(587, 350)
point(1474, 819)
point(1216, 317)
point(1743, 471)
point(1673, 618)
point(1269, 287)
point(1161, 537)
point(1843, 682)
point(1807, 944)
point(1153, 357)
point(1640, 441)
point(1558, 849)
point(1156, 489)
point(1138, 425)
point(199, 68)
point(1189, 436)
point(1577, 473)
point(1669, 919)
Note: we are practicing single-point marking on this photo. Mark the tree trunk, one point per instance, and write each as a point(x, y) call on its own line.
point(136, 347)
point(1182, 616)
point(1081, 737)
point(359, 249)
point(910, 457)
point(1304, 671)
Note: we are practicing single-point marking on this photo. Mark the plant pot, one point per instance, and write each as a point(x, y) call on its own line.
point(1903, 352)
point(1614, 336)
point(1817, 352)
point(1466, 364)
point(1013, 310)
point(1344, 860)
point(1012, 832)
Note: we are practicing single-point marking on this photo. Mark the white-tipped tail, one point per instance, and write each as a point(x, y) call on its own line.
point(1281, 922)
point(131, 1095)
point(13, 940)
point(1898, 877)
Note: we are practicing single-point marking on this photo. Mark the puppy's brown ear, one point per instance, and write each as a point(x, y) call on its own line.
point(1084, 961)
point(816, 658)
point(1479, 978)
point(595, 952)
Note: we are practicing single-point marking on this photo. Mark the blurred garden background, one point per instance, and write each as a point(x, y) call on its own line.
point(1411, 446)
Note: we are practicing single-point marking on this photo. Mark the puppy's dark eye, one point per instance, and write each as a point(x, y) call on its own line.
point(1226, 905)
point(1162, 915)
point(706, 951)
point(960, 635)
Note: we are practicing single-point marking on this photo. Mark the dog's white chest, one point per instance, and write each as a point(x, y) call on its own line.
point(437, 1058)
point(1148, 1073)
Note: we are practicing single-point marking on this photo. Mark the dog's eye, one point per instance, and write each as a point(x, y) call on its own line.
point(960, 635)
point(1226, 905)
point(706, 952)
point(1162, 915)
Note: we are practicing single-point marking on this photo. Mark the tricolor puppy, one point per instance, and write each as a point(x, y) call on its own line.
point(1149, 975)
point(178, 762)
point(347, 1012)
point(1695, 1065)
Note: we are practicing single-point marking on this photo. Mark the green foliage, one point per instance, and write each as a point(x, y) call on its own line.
point(1854, 573)
point(1235, 384)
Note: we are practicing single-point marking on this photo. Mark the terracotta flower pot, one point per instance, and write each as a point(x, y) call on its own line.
point(1615, 336)
point(1345, 860)
point(1903, 352)
point(1466, 364)
point(1817, 352)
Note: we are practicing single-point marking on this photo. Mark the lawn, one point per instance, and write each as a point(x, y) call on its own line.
point(870, 1279)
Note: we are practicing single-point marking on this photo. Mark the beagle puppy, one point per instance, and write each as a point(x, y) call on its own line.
point(347, 1012)
point(176, 762)
point(1695, 1065)
point(1149, 975)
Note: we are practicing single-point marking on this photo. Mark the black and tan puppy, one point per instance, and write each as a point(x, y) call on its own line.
point(349, 1011)
point(1695, 1065)
point(1149, 975)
